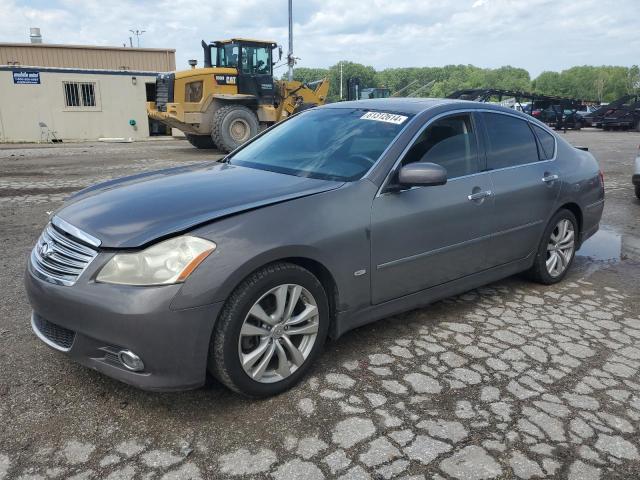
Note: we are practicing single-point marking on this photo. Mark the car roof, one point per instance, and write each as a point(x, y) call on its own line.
point(412, 106)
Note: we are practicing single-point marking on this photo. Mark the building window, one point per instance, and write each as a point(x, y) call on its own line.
point(79, 94)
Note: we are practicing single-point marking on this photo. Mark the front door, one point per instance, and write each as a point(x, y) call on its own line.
point(255, 75)
point(525, 182)
point(426, 236)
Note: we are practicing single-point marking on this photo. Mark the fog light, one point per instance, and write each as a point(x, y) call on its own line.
point(130, 360)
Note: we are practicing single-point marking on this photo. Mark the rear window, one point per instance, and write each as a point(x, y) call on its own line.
point(510, 141)
point(547, 143)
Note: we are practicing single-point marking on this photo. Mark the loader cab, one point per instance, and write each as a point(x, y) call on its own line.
point(253, 60)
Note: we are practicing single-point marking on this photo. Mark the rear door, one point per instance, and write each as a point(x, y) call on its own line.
point(525, 181)
point(425, 236)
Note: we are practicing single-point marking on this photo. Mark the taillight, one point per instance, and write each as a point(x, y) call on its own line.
point(602, 179)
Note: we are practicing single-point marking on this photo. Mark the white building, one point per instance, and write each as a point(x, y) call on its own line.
point(73, 92)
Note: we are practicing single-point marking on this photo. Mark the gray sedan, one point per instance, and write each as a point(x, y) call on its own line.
point(335, 218)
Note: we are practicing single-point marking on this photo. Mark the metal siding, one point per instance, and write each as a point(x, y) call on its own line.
point(107, 58)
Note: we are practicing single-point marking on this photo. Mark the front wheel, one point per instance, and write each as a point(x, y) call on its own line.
point(270, 331)
point(638, 191)
point(232, 126)
point(557, 249)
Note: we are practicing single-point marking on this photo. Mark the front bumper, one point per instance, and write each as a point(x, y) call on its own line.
point(176, 117)
point(105, 319)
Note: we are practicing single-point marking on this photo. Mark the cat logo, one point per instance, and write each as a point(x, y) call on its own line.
point(226, 79)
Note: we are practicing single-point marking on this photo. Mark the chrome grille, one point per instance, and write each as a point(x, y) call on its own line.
point(59, 257)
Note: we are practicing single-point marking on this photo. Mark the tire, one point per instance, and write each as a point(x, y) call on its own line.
point(227, 344)
point(638, 191)
point(201, 141)
point(539, 272)
point(232, 126)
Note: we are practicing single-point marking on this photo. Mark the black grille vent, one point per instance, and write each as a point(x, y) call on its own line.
point(58, 336)
point(164, 91)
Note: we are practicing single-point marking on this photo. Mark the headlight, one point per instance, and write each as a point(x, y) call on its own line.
point(193, 92)
point(171, 261)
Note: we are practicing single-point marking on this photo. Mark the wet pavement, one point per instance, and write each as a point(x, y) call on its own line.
point(513, 380)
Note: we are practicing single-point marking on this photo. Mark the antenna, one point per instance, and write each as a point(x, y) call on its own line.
point(290, 60)
point(138, 34)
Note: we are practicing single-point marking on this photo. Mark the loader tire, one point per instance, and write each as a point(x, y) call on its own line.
point(201, 141)
point(232, 126)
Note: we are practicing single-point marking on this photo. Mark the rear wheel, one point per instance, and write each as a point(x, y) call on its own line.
point(232, 126)
point(557, 249)
point(638, 191)
point(270, 331)
point(201, 141)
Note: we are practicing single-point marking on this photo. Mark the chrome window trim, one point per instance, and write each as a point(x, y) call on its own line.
point(41, 336)
point(531, 121)
point(75, 231)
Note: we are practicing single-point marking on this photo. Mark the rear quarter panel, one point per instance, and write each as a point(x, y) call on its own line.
point(580, 175)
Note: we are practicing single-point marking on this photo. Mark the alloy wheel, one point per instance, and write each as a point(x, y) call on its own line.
point(560, 247)
point(278, 333)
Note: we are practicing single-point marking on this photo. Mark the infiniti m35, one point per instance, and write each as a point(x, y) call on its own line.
point(334, 218)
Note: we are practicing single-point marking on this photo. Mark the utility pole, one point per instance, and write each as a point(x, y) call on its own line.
point(138, 34)
point(290, 60)
point(341, 80)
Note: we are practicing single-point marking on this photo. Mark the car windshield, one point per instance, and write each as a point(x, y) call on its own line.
point(329, 143)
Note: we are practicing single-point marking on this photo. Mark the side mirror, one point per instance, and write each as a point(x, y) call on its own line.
point(279, 52)
point(423, 174)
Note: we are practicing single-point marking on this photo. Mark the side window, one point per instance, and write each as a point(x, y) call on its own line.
point(228, 56)
point(449, 142)
point(510, 141)
point(547, 143)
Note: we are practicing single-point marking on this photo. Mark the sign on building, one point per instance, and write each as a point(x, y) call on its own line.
point(26, 78)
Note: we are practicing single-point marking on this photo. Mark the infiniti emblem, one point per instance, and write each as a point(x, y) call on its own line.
point(45, 250)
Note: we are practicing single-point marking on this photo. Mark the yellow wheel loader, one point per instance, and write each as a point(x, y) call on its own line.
point(233, 97)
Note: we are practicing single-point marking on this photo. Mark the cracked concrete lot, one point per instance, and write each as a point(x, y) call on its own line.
point(513, 380)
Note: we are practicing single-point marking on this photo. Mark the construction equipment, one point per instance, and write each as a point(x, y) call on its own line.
point(356, 92)
point(233, 97)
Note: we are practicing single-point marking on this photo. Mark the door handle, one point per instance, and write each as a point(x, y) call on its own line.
point(480, 195)
point(550, 178)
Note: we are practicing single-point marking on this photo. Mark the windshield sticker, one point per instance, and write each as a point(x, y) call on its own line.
point(384, 117)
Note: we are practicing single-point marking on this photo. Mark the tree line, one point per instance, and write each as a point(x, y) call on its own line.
point(593, 83)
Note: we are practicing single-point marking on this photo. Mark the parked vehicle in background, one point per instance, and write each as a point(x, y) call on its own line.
point(587, 112)
point(559, 118)
point(334, 218)
point(626, 117)
point(635, 179)
point(369, 93)
point(596, 118)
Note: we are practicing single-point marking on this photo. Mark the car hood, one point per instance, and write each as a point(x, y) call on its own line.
point(133, 211)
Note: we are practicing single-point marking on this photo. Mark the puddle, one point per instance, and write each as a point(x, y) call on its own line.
point(604, 246)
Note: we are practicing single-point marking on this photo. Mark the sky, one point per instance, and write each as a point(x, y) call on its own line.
point(536, 35)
